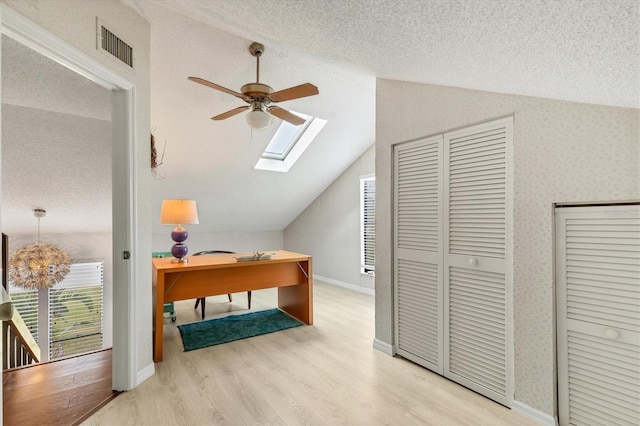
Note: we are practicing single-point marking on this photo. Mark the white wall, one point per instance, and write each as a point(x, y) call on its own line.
point(329, 228)
point(232, 241)
point(563, 152)
point(75, 22)
point(79, 247)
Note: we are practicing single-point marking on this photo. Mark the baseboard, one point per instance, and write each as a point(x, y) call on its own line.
point(353, 287)
point(145, 373)
point(533, 414)
point(383, 347)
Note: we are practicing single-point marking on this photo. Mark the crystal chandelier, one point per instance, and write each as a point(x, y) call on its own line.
point(39, 265)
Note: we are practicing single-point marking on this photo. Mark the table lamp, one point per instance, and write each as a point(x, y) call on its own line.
point(179, 212)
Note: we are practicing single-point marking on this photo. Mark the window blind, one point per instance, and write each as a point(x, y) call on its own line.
point(368, 223)
point(75, 311)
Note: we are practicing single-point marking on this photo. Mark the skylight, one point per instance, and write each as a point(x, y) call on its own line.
point(288, 143)
point(285, 138)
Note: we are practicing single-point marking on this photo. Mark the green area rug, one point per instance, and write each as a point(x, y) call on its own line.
point(234, 327)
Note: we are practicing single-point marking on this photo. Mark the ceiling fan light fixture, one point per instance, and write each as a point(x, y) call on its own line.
point(257, 118)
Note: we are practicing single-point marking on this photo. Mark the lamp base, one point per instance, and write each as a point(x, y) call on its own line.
point(179, 250)
point(179, 260)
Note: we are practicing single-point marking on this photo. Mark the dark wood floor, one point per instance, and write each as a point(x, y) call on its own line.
point(63, 392)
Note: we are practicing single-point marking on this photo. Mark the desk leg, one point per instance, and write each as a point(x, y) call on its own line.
point(297, 300)
point(159, 318)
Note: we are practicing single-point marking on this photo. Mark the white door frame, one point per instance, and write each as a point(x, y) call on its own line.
point(123, 124)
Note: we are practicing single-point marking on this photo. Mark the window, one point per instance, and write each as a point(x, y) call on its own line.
point(367, 224)
point(288, 143)
point(71, 311)
point(75, 311)
point(285, 138)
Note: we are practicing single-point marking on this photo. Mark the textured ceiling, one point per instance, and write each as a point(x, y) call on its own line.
point(585, 51)
point(31, 80)
point(56, 146)
point(579, 50)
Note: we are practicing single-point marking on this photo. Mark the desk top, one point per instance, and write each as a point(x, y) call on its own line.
point(165, 264)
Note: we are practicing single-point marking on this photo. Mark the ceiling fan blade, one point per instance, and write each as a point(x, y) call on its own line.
point(286, 115)
point(296, 92)
point(216, 86)
point(230, 113)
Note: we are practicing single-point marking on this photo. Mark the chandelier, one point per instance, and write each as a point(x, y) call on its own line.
point(39, 265)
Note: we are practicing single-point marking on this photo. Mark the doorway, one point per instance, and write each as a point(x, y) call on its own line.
point(56, 156)
point(124, 224)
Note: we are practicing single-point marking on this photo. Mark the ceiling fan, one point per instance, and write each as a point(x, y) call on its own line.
point(259, 96)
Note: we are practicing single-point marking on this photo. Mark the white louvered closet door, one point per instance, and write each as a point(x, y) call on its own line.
point(478, 258)
point(598, 312)
point(418, 252)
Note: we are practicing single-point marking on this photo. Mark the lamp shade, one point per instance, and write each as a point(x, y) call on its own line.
point(178, 212)
point(258, 119)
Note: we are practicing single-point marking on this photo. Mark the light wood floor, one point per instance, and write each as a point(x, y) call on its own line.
point(325, 374)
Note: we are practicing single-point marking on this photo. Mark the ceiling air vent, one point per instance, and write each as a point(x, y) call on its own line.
point(113, 45)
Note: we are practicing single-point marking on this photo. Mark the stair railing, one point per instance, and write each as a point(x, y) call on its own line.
point(18, 345)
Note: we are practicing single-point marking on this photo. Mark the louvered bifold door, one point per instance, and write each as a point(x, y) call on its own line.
point(598, 312)
point(477, 259)
point(417, 251)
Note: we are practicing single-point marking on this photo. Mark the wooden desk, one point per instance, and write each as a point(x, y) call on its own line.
point(206, 276)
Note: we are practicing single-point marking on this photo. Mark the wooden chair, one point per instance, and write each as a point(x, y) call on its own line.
point(201, 301)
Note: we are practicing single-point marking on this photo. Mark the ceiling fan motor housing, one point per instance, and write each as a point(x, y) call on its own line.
point(256, 90)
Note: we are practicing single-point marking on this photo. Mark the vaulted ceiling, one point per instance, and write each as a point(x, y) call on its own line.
point(577, 50)
point(213, 161)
